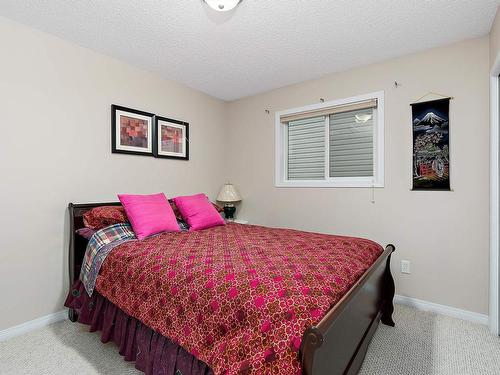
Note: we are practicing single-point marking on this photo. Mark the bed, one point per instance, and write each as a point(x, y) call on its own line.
point(332, 291)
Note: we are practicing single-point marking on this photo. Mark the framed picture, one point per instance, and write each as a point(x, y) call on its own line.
point(171, 139)
point(132, 131)
point(431, 145)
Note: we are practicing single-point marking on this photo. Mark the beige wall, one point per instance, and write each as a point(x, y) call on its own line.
point(443, 234)
point(55, 102)
point(495, 39)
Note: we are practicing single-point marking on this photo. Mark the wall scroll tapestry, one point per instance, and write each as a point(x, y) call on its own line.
point(431, 151)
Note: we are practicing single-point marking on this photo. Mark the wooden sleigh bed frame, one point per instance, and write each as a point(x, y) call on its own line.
point(338, 343)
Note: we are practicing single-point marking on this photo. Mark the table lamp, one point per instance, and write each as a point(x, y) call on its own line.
point(228, 195)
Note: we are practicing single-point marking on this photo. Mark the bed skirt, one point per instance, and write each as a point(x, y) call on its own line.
point(153, 353)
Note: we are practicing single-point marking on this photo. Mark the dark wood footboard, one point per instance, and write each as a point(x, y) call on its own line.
point(338, 344)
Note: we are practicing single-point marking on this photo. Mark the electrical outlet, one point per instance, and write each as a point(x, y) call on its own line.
point(405, 266)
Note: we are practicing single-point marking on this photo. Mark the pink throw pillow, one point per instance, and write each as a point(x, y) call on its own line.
point(198, 212)
point(149, 214)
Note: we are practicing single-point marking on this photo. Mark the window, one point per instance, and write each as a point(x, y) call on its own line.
point(334, 144)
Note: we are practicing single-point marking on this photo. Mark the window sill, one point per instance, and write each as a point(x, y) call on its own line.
point(326, 184)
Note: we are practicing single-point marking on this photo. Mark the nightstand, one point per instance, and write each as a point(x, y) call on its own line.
point(240, 221)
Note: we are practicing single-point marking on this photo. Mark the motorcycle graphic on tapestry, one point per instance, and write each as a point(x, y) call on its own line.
point(431, 151)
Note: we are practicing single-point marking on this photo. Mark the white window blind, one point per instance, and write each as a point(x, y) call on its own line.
point(351, 144)
point(306, 149)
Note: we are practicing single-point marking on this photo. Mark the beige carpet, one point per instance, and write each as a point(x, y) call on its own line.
point(421, 343)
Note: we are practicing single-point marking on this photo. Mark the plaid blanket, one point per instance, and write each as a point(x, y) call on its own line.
point(99, 246)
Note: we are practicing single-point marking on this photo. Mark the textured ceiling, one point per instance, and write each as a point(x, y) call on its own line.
point(262, 44)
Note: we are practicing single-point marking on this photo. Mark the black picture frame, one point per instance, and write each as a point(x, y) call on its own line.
point(116, 111)
point(157, 153)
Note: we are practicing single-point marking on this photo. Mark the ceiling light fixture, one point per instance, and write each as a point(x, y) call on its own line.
point(222, 5)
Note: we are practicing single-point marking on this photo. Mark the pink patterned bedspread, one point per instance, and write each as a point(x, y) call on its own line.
point(238, 297)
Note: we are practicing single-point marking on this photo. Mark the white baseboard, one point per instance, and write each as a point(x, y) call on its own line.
point(442, 309)
point(33, 324)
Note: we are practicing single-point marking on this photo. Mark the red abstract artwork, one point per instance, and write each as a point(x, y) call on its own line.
point(133, 132)
point(171, 139)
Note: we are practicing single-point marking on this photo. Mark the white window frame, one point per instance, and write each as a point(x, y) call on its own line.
point(378, 153)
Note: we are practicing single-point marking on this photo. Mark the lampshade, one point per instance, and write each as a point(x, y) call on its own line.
point(228, 193)
point(222, 5)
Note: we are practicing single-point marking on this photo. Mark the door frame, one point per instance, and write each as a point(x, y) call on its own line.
point(494, 316)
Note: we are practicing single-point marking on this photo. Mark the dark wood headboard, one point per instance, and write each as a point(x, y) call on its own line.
point(78, 244)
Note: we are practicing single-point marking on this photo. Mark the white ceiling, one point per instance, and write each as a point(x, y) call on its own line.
point(262, 44)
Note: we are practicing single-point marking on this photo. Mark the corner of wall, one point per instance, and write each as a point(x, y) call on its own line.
point(494, 37)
